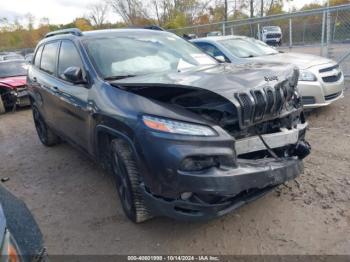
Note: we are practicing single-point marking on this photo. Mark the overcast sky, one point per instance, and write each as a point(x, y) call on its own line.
point(64, 11)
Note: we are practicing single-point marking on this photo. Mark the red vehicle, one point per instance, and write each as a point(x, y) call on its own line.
point(13, 88)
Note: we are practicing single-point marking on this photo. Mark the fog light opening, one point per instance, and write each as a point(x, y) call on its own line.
point(186, 195)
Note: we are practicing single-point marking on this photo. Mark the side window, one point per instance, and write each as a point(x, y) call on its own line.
point(210, 49)
point(68, 57)
point(38, 56)
point(48, 58)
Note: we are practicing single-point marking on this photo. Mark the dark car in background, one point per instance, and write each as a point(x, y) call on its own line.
point(10, 56)
point(184, 136)
point(13, 85)
point(29, 57)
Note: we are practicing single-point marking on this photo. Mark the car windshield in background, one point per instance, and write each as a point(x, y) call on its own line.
point(13, 68)
point(124, 56)
point(12, 57)
point(247, 47)
point(272, 29)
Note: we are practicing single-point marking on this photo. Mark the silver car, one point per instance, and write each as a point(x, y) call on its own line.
point(321, 81)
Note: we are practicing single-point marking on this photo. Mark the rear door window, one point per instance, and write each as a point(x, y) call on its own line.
point(48, 58)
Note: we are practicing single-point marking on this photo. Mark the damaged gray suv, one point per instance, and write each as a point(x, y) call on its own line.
point(185, 136)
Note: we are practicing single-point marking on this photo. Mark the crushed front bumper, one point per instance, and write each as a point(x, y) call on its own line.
point(233, 188)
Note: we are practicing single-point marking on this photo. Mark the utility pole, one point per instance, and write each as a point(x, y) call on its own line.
point(251, 6)
point(328, 30)
point(262, 8)
point(225, 19)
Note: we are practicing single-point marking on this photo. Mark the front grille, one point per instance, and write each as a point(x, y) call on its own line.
point(308, 100)
point(270, 101)
point(332, 96)
point(273, 35)
point(327, 69)
point(331, 79)
point(21, 88)
point(260, 105)
point(279, 100)
point(246, 107)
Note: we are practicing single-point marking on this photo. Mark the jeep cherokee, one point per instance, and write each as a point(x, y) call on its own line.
point(185, 136)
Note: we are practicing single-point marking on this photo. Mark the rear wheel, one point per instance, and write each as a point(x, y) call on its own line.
point(45, 134)
point(128, 182)
point(2, 106)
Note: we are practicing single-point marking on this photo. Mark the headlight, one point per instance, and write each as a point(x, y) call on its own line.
point(10, 249)
point(306, 76)
point(177, 127)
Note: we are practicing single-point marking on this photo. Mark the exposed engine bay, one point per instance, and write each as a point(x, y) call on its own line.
point(248, 116)
point(261, 111)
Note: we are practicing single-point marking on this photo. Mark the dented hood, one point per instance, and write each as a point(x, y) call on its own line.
point(13, 82)
point(223, 79)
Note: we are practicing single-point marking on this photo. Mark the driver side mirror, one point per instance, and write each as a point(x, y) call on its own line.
point(220, 58)
point(74, 75)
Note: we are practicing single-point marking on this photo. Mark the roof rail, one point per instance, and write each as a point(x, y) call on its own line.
point(154, 27)
point(73, 31)
point(150, 27)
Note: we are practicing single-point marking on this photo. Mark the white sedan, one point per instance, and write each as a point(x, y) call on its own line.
point(321, 81)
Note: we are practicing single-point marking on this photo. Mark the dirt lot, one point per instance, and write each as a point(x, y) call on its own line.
point(78, 211)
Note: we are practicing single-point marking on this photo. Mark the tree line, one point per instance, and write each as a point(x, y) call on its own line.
point(169, 14)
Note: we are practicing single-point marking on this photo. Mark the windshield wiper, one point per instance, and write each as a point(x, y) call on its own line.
point(117, 77)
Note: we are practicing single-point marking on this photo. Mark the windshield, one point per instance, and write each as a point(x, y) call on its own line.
point(272, 29)
point(247, 47)
point(13, 68)
point(144, 53)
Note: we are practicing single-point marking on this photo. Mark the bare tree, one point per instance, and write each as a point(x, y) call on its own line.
point(30, 20)
point(98, 13)
point(44, 21)
point(166, 10)
point(251, 7)
point(130, 10)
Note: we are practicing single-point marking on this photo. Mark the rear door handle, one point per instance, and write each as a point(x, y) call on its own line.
point(56, 89)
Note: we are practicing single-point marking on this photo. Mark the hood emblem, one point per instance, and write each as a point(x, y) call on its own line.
point(270, 78)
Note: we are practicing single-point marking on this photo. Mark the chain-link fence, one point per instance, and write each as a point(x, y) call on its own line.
point(324, 31)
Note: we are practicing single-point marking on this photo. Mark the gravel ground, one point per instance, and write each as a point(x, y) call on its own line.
point(78, 211)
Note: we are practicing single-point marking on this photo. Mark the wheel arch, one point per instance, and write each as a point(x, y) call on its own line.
point(103, 136)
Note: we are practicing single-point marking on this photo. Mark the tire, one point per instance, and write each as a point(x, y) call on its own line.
point(127, 176)
point(45, 134)
point(2, 106)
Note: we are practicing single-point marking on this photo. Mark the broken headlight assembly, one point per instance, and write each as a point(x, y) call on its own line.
point(177, 127)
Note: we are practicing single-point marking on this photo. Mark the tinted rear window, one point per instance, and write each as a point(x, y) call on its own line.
point(48, 58)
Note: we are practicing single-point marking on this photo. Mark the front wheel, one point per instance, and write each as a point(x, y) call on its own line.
point(127, 176)
point(45, 134)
